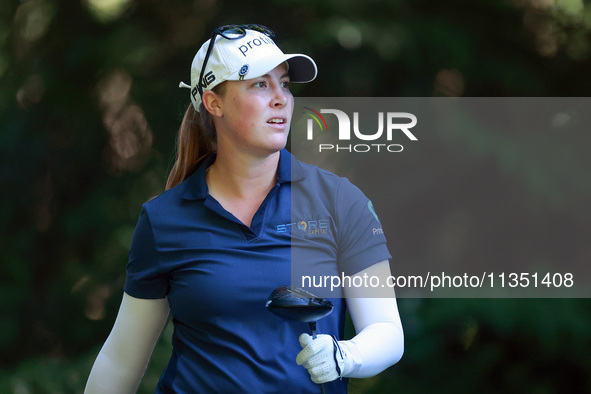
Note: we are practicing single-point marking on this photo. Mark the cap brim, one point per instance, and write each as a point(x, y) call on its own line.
point(301, 68)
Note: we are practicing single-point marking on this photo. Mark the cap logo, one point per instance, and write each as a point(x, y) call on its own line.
point(207, 79)
point(242, 72)
point(257, 42)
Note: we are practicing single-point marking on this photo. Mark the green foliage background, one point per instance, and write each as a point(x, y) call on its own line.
point(88, 114)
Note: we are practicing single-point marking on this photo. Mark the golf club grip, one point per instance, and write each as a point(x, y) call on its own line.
point(322, 389)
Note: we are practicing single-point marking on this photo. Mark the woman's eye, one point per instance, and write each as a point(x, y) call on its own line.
point(260, 84)
point(285, 84)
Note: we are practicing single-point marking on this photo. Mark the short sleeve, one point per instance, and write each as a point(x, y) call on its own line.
point(144, 278)
point(361, 240)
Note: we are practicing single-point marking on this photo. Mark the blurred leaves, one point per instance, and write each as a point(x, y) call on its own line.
point(88, 113)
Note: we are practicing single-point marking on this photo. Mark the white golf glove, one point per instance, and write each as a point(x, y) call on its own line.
point(325, 358)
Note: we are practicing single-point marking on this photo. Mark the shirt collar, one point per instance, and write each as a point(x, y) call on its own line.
point(289, 169)
point(195, 186)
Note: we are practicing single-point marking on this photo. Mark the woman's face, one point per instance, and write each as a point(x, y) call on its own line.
point(256, 113)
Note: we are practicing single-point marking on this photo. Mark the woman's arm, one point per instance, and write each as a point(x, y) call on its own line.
point(379, 342)
point(122, 361)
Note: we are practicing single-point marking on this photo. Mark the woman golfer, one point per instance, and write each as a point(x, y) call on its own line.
point(209, 250)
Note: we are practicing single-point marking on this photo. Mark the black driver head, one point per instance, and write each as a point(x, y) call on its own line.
point(294, 303)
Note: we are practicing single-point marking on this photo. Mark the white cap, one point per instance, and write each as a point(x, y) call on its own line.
point(248, 57)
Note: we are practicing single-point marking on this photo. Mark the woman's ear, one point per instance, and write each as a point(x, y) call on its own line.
point(212, 103)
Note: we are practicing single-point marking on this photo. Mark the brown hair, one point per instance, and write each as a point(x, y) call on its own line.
point(196, 139)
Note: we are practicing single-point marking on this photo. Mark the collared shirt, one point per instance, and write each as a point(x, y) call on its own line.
point(218, 273)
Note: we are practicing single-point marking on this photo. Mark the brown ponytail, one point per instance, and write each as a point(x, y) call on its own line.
point(195, 140)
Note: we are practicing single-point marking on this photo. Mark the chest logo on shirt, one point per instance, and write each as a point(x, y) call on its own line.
point(310, 227)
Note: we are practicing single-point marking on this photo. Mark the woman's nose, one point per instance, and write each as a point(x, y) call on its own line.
point(279, 96)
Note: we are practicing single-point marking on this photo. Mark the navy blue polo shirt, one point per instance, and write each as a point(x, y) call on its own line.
point(218, 273)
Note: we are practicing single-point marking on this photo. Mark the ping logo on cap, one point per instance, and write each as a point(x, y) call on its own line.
point(207, 79)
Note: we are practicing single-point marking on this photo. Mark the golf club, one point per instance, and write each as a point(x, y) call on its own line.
point(294, 303)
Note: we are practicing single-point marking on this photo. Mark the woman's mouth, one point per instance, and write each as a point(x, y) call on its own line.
point(277, 121)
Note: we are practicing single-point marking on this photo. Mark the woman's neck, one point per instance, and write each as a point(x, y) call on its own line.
point(241, 183)
point(239, 175)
